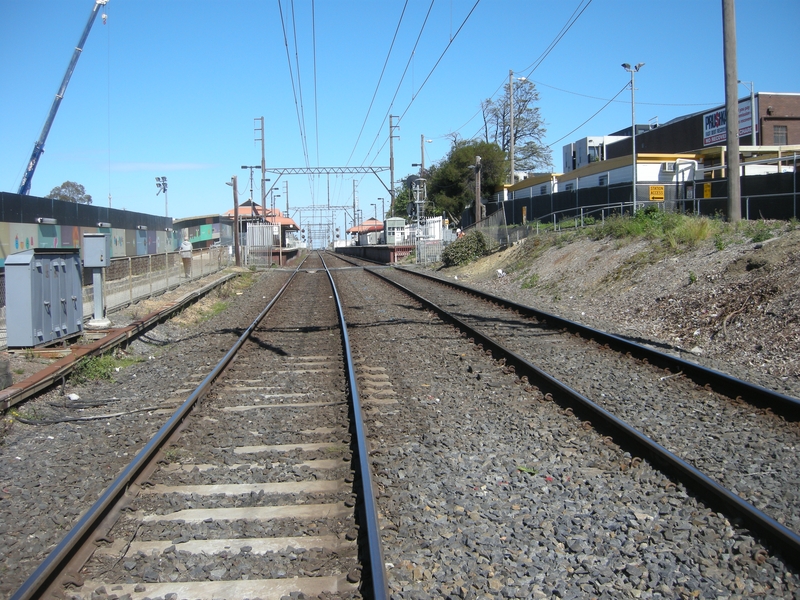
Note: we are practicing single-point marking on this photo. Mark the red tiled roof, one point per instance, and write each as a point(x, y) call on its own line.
point(367, 226)
point(248, 211)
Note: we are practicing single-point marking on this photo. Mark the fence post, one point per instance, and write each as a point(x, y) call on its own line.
point(130, 280)
point(794, 187)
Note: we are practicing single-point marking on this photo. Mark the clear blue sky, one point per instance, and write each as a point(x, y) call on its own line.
point(171, 88)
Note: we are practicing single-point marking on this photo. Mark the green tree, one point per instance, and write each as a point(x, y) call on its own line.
point(69, 191)
point(451, 183)
point(402, 196)
point(530, 153)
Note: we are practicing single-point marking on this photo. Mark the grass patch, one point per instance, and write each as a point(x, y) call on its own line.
point(97, 368)
point(212, 311)
point(758, 231)
point(530, 282)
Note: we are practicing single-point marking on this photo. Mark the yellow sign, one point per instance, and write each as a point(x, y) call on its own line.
point(706, 190)
point(656, 193)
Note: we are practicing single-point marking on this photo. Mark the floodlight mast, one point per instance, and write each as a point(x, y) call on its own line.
point(38, 147)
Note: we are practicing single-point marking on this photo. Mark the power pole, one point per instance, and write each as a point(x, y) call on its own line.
point(511, 117)
point(391, 160)
point(477, 189)
point(237, 257)
point(731, 109)
point(263, 166)
point(355, 205)
point(421, 155)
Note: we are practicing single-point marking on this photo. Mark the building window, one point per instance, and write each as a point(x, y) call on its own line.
point(569, 187)
point(780, 135)
point(602, 180)
point(543, 190)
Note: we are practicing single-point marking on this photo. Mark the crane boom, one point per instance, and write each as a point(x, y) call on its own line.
point(38, 147)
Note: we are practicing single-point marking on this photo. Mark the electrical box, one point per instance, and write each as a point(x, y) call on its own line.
point(96, 250)
point(44, 300)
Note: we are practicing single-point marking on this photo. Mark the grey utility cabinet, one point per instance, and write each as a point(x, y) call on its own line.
point(43, 296)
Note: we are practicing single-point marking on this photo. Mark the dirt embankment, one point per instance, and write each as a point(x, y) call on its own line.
point(734, 308)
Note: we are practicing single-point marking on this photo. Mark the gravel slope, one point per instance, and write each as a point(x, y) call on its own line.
point(736, 309)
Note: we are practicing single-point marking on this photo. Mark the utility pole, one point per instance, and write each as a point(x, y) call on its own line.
point(355, 205)
point(391, 159)
point(477, 189)
point(732, 109)
point(421, 155)
point(237, 257)
point(511, 120)
point(263, 166)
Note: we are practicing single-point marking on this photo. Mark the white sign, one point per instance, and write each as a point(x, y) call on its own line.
point(715, 124)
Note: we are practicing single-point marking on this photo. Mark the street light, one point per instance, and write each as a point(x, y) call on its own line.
point(383, 209)
point(749, 84)
point(161, 184)
point(633, 70)
point(374, 210)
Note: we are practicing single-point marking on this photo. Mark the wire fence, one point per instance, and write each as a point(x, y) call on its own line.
point(494, 229)
point(135, 278)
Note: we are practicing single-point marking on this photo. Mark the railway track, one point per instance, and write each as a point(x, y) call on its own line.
point(733, 456)
point(741, 457)
point(484, 486)
point(253, 488)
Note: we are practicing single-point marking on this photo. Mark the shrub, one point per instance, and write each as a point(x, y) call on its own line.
point(465, 249)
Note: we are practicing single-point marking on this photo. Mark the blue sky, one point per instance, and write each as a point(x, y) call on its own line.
point(172, 88)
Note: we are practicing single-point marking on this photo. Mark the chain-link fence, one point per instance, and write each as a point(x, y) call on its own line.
point(134, 278)
point(494, 229)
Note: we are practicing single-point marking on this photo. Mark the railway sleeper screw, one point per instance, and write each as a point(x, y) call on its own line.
point(72, 578)
point(548, 396)
point(636, 461)
point(760, 556)
point(568, 411)
point(354, 576)
point(103, 540)
point(587, 425)
point(351, 535)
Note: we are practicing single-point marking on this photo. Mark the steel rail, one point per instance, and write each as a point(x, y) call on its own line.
point(44, 581)
point(630, 438)
point(786, 406)
point(377, 568)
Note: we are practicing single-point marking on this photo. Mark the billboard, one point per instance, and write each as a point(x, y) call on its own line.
point(715, 124)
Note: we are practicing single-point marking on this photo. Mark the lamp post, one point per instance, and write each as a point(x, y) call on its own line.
point(161, 184)
point(383, 209)
point(749, 84)
point(632, 70)
point(374, 210)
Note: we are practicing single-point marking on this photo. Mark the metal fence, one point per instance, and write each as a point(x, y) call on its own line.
point(134, 278)
point(494, 229)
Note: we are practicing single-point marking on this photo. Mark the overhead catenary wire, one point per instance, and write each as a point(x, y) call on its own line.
point(397, 89)
point(441, 56)
point(625, 101)
point(297, 102)
point(380, 79)
point(566, 27)
point(625, 87)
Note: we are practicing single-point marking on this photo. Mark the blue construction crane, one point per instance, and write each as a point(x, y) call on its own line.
point(38, 147)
